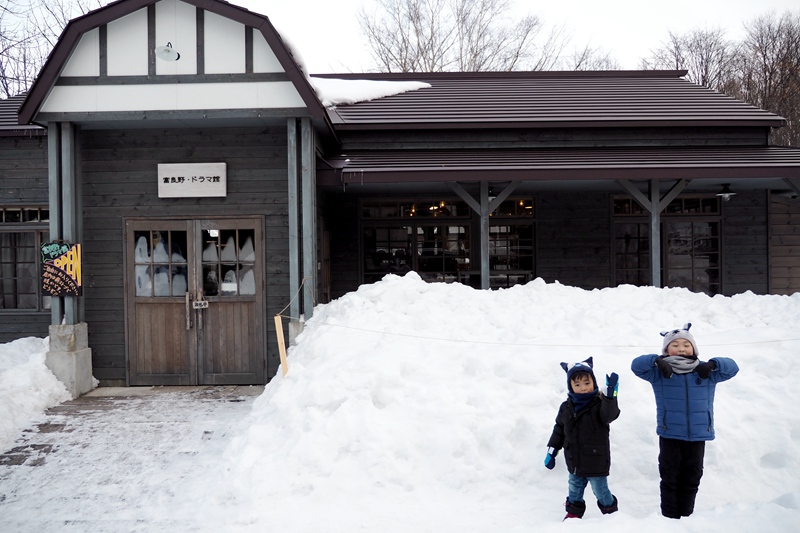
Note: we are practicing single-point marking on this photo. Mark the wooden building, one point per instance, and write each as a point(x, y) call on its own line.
point(181, 144)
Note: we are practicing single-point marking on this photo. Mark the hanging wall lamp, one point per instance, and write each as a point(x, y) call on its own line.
point(167, 53)
point(725, 193)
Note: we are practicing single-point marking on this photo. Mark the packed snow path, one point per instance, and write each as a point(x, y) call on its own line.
point(114, 463)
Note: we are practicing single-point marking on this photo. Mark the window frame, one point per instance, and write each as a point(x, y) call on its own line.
point(40, 228)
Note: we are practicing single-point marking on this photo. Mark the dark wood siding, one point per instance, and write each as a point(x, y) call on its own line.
point(744, 244)
point(784, 244)
point(23, 170)
point(23, 181)
point(341, 213)
point(119, 180)
point(574, 239)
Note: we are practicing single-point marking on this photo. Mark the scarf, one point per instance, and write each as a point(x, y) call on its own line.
point(582, 400)
point(682, 365)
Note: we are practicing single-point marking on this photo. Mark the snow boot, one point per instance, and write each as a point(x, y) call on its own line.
point(574, 509)
point(610, 509)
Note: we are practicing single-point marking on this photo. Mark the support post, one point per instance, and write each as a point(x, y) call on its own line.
point(655, 205)
point(485, 235)
point(54, 184)
point(294, 218)
point(309, 193)
point(655, 234)
point(484, 208)
point(69, 356)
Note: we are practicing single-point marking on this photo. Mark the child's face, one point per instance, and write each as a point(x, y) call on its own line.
point(680, 347)
point(582, 385)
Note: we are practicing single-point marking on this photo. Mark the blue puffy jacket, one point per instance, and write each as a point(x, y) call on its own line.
point(684, 402)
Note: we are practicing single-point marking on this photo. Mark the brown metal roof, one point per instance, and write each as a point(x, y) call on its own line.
point(548, 99)
point(562, 164)
point(8, 118)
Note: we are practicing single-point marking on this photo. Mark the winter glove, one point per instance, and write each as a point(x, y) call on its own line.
point(664, 367)
point(550, 458)
point(612, 385)
point(704, 369)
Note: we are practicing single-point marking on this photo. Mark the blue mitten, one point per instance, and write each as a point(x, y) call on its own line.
point(612, 385)
point(550, 458)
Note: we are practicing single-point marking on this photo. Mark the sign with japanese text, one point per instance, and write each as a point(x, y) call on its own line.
point(61, 269)
point(192, 180)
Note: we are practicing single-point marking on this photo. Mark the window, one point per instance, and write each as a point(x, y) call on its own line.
point(437, 239)
point(690, 243)
point(22, 232)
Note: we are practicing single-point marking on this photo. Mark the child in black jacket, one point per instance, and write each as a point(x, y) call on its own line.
point(582, 430)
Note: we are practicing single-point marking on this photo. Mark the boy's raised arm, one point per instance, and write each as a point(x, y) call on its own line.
point(645, 367)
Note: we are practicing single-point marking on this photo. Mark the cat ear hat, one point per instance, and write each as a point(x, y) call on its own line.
point(572, 368)
point(682, 333)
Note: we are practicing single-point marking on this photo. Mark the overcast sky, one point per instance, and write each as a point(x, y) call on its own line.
point(328, 36)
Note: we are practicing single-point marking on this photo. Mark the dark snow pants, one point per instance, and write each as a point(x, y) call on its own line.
point(680, 464)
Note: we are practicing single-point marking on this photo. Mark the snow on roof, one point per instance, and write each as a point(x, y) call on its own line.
point(333, 92)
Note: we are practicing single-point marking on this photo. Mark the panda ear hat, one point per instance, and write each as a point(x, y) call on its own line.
point(682, 333)
point(584, 366)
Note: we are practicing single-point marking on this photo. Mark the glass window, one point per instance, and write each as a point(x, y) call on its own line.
point(690, 240)
point(693, 256)
point(160, 263)
point(228, 261)
point(632, 253)
point(22, 232)
point(441, 250)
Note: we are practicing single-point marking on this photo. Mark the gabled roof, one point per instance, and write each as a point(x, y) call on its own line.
point(548, 100)
point(72, 33)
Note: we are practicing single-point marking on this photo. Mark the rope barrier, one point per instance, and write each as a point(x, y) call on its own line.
point(528, 344)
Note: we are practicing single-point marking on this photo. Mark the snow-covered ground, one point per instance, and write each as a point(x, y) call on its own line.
point(415, 407)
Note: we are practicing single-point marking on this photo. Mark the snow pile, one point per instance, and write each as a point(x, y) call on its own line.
point(27, 387)
point(411, 406)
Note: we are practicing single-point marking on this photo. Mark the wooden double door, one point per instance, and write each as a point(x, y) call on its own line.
point(195, 301)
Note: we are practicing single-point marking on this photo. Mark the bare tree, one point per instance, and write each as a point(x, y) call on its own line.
point(768, 71)
point(29, 29)
point(463, 35)
point(705, 54)
point(588, 58)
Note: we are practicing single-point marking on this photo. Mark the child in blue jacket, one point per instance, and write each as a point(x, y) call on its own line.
point(684, 388)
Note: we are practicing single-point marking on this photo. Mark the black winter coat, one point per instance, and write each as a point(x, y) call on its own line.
point(585, 436)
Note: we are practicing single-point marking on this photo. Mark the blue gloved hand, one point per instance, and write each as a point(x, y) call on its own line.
point(612, 385)
point(550, 458)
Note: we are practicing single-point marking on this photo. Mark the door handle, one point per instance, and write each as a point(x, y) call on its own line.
point(188, 312)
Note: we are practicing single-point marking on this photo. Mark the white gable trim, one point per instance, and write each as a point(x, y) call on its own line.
point(172, 97)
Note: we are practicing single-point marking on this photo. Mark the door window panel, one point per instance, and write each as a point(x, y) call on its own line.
point(228, 258)
point(160, 267)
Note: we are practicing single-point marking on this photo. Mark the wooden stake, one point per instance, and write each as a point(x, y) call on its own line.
point(281, 344)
